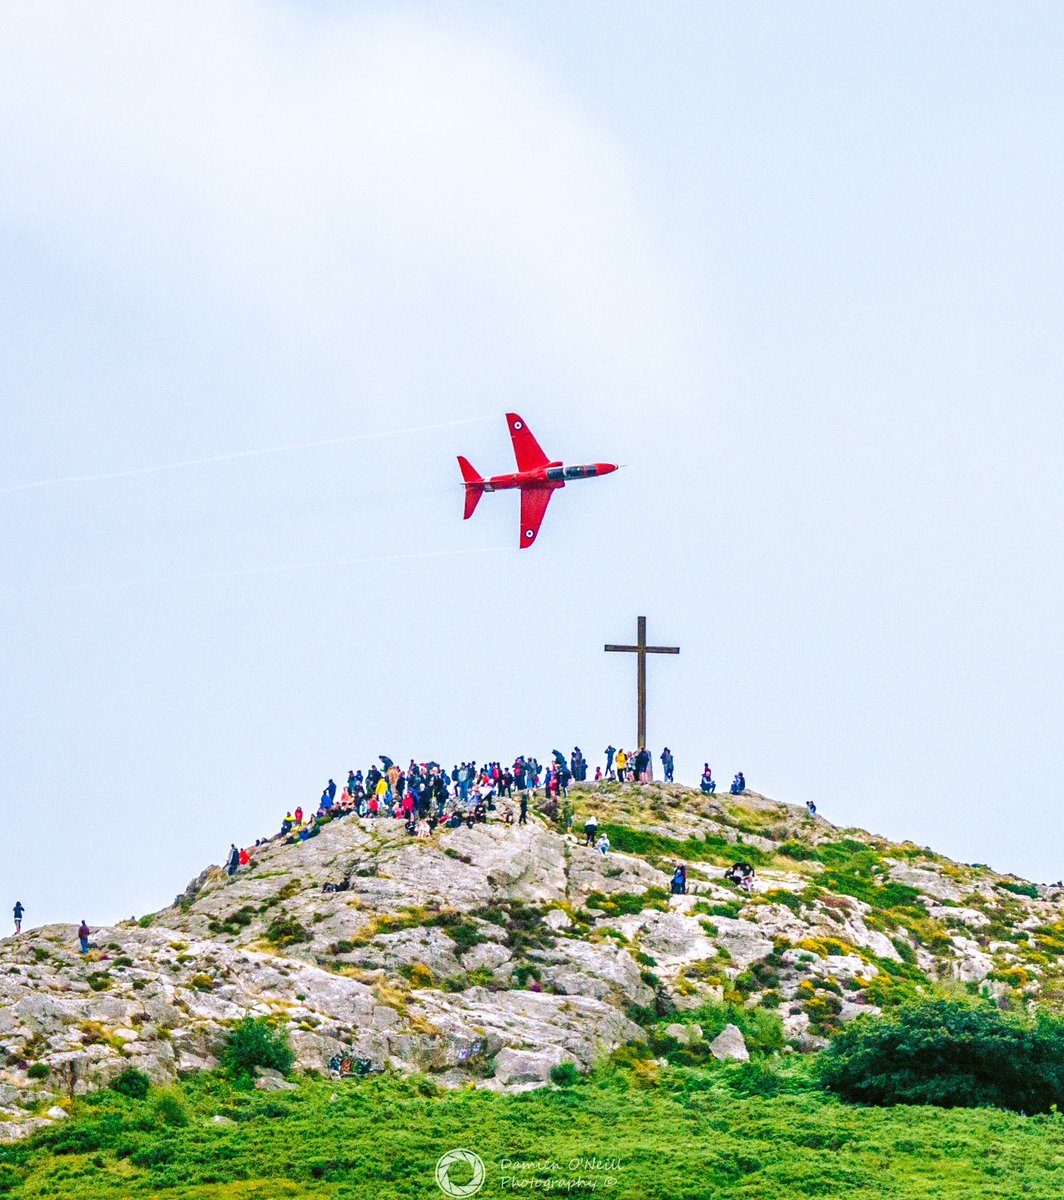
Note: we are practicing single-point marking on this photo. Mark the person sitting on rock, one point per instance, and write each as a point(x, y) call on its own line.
point(679, 880)
point(738, 784)
point(741, 873)
point(590, 830)
point(423, 830)
point(603, 845)
point(709, 784)
point(287, 823)
point(507, 816)
point(811, 806)
point(480, 811)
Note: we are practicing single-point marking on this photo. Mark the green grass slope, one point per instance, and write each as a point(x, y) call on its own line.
point(626, 1135)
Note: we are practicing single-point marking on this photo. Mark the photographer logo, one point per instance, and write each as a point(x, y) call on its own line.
point(465, 1161)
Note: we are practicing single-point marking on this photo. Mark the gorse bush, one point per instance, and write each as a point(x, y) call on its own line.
point(951, 1053)
point(170, 1109)
point(286, 931)
point(131, 1083)
point(251, 1043)
point(565, 1074)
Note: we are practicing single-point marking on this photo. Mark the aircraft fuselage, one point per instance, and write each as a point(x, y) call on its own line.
point(554, 475)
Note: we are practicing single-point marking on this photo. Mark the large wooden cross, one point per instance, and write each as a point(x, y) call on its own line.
point(642, 650)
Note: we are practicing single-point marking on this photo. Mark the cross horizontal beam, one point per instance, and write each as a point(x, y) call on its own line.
point(646, 649)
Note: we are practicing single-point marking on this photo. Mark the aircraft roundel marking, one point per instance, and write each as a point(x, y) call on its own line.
point(530, 533)
point(518, 425)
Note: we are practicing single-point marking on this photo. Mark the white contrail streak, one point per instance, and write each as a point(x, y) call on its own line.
point(280, 569)
point(217, 458)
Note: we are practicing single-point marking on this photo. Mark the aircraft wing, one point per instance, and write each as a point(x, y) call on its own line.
point(534, 503)
point(527, 450)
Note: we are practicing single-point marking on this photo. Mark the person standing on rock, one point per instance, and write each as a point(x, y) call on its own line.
point(83, 936)
point(233, 861)
point(19, 911)
point(622, 762)
point(611, 750)
point(667, 764)
point(523, 819)
point(590, 830)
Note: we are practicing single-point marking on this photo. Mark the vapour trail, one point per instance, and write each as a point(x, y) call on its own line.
point(218, 458)
point(283, 568)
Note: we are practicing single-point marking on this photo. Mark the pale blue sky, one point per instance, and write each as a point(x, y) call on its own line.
point(798, 265)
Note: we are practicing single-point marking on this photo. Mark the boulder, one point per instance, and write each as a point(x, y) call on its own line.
point(685, 1034)
point(729, 1045)
point(529, 1066)
point(273, 1081)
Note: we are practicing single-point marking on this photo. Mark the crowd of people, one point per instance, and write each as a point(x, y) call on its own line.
point(425, 795)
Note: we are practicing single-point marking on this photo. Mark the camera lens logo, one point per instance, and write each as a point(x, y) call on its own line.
point(466, 1161)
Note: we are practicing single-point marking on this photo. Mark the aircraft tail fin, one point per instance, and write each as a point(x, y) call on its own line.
point(474, 486)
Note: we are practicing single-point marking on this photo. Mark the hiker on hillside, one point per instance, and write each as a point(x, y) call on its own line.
point(233, 861)
point(811, 806)
point(523, 820)
point(611, 750)
point(741, 873)
point(738, 784)
point(603, 845)
point(590, 830)
point(667, 764)
point(679, 880)
point(83, 936)
point(288, 822)
point(622, 762)
point(19, 911)
point(709, 784)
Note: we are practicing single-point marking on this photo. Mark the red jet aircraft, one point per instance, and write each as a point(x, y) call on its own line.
point(536, 476)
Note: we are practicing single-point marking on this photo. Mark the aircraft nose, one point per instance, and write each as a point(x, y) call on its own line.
point(605, 468)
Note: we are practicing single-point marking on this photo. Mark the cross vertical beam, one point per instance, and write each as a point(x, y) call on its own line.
point(641, 650)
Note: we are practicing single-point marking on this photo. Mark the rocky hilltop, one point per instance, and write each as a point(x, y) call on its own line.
point(493, 954)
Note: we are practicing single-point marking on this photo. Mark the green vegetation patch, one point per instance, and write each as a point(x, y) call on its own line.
point(756, 1131)
point(950, 1053)
point(713, 849)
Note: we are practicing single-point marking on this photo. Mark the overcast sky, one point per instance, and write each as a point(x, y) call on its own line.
point(799, 266)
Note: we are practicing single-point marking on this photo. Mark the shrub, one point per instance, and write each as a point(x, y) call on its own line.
point(39, 1071)
point(169, 1109)
point(131, 1083)
point(99, 981)
point(418, 974)
point(565, 1074)
point(286, 931)
point(1019, 889)
point(251, 1043)
point(951, 1053)
point(798, 851)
